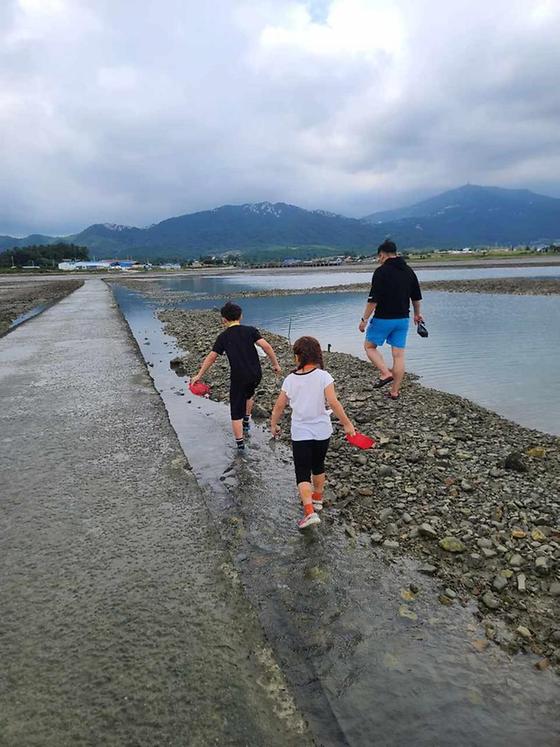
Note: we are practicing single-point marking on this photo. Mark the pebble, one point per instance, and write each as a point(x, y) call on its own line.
point(541, 566)
point(385, 513)
point(554, 589)
point(524, 632)
point(427, 569)
point(377, 538)
point(426, 530)
point(391, 545)
point(516, 561)
point(452, 544)
point(521, 582)
point(490, 601)
point(499, 583)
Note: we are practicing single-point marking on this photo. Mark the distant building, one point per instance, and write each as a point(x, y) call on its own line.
point(102, 264)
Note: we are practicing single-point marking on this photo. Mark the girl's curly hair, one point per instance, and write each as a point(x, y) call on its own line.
point(308, 351)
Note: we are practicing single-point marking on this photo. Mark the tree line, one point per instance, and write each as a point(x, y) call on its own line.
point(42, 255)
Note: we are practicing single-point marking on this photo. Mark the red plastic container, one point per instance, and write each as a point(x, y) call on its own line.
point(200, 389)
point(361, 441)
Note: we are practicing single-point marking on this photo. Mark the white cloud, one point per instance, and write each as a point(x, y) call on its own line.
point(134, 111)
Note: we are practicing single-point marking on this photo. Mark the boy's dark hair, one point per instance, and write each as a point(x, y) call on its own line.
point(308, 350)
point(231, 312)
point(388, 246)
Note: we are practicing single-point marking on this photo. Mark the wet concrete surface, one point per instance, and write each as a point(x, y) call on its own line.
point(369, 664)
point(123, 620)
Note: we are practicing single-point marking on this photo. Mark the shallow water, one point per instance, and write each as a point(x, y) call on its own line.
point(362, 673)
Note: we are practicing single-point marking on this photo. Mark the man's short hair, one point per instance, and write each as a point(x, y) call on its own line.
point(231, 312)
point(388, 247)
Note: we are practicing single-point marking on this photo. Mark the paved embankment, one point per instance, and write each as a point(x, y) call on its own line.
point(122, 618)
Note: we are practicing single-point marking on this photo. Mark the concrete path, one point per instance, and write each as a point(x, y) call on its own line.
point(122, 619)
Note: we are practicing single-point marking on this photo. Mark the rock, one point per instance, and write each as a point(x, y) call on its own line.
point(490, 601)
point(426, 530)
point(516, 561)
point(385, 513)
point(349, 531)
point(517, 533)
point(366, 492)
point(488, 553)
point(554, 589)
point(386, 471)
point(407, 613)
point(538, 536)
point(485, 542)
point(450, 593)
point(542, 566)
point(515, 463)
point(524, 632)
point(481, 644)
point(377, 538)
point(392, 530)
point(407, 518)
point(427, 569)
point(542, 664)
point(499, 583)
point(442, 453)
point(466, 486)
point(537, 452)
point(521, 582)
point(452, 544)
point(391, 545)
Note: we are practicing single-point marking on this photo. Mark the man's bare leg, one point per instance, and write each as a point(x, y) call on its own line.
point(377, 359)
point(398, 370)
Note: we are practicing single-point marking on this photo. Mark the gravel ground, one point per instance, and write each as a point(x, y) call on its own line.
point(473, 496)
point(19, 295)
point(123, 619)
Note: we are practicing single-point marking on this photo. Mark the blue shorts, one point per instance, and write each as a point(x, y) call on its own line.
point(394, 331)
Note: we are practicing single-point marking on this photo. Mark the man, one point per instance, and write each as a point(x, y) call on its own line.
point(393, 285)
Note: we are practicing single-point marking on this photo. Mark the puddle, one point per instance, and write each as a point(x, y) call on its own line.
point(369, 662)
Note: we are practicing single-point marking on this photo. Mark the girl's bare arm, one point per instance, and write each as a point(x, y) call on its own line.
point(277, 412)
point(338, 410)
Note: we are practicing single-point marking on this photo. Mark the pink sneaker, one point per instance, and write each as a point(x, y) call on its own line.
point(318, 505)
point(308, 521)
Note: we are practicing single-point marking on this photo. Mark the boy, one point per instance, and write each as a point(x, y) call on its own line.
point(238, 342)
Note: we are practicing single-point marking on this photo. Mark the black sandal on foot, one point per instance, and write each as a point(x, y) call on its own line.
point(390, 395)
point(382, 382)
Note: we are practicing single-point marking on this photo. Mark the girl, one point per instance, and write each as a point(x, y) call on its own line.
point(306, 390)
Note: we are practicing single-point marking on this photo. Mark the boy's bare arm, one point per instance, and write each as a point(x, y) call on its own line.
point(207, 364)
point(268, 349)
point(277, 412)
point(338, 410)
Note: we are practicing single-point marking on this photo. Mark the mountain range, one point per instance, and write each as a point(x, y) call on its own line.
point(470, 215)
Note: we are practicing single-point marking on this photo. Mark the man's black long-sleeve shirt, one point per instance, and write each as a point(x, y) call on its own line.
point(393, 286)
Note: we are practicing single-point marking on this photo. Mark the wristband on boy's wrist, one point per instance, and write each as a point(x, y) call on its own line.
point(363, 320)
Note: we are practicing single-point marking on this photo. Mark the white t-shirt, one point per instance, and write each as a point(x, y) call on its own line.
point(306, 392)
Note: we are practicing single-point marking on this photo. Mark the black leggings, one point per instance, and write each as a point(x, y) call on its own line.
point(309, 458)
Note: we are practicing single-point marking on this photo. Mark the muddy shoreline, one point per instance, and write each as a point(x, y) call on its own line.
point(18, 297)
point(471, 495)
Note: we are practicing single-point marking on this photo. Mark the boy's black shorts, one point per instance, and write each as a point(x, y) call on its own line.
point(309, 458)
point(239, 392)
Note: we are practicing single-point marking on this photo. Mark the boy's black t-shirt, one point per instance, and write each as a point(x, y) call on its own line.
point(238, 343)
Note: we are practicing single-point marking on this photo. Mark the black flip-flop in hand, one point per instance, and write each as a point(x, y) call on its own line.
point(422, 329)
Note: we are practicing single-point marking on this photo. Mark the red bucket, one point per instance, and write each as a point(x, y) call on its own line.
point(361, 441)
point(200, 389)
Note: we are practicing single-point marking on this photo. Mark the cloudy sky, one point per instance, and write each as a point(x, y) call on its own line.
point(131, 111)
